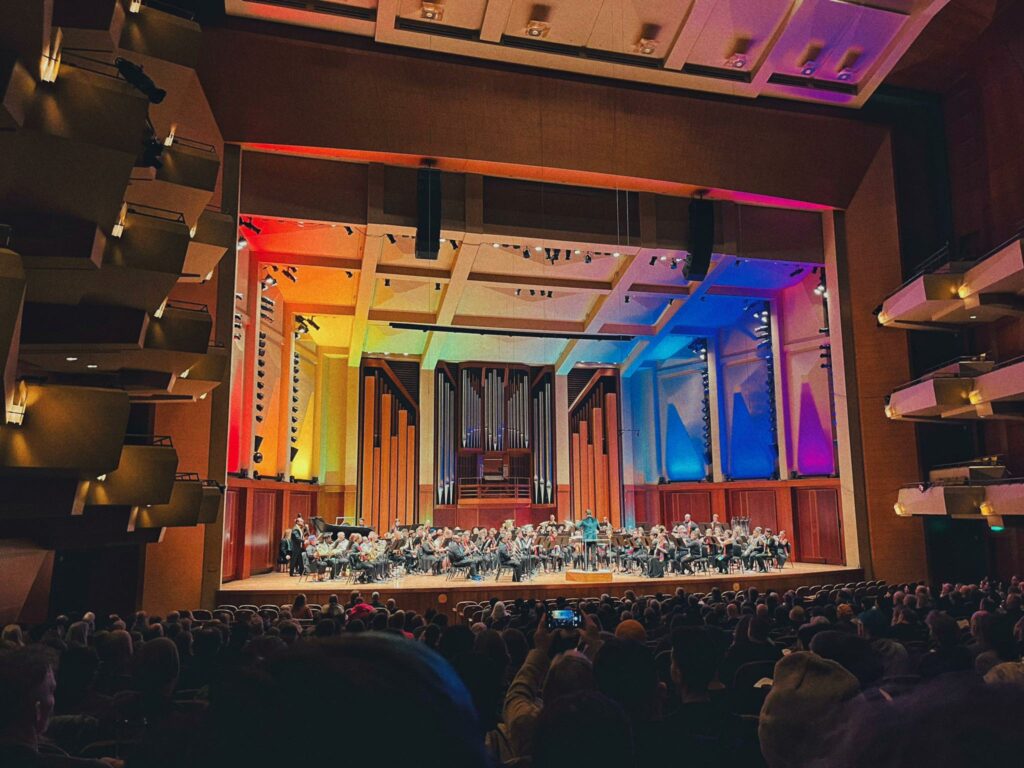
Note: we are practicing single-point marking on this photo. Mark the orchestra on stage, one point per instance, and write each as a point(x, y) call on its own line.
point(362, 555)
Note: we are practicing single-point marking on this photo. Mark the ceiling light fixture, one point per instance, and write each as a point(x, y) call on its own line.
point(646, 46)
point(432, 11)
point(537, 28)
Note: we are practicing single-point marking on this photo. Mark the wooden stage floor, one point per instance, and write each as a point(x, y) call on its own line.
point(422, 592)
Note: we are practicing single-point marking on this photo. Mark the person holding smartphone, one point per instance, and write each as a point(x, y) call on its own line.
point(588, 530)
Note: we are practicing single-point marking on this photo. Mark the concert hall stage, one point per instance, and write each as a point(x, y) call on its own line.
point(422, 592)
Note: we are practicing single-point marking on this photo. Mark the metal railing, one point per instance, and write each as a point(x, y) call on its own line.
point(508, 488)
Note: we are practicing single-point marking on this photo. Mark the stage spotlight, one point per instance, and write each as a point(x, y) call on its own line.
point(348, 230)
point(387, 282)
point(313, 323)
point(290, 275)
point(518, 291)
point(550, 294)
point(526, 253)
point(348, 273)
point(139, 80)
point(533, 292)
point(391, 239)
point(654, 260)
point(437, 286)
point(250, 226)
point(796, 272)
point(627, 298)
point(587, 259)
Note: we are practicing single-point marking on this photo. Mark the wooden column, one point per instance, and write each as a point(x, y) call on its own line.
point(367, 483)
point(614, 463)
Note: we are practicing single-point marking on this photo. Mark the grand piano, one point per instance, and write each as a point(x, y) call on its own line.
point(338, 530)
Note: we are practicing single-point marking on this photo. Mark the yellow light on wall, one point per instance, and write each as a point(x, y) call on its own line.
point(963, 291)
point(135, 6)
point(883, 318)
point(49, 66)
point(987, 509)
point(975, 397)
point(891, 412)
point(118, 229)
point(900, 509)
point(15, 414)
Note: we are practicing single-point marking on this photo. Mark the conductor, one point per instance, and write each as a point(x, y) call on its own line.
point(588, 529)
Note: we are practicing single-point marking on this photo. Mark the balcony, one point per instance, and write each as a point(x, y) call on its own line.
point(940, 394)
point(193, 501)
point(68, 436)
point(160, 35)
point(102, 340)
point(215, 233)
point(94, 26)
point(144, 475)
point(136, 270)
point(978, 490)
point(960, 293)
point(195, 383)
point(77, 145)
point(971, 388)
point(184, 182)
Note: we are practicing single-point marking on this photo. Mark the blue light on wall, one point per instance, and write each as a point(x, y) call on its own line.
point(684, 454)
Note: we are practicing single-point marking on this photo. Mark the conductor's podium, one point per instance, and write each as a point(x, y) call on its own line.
point(588, 577)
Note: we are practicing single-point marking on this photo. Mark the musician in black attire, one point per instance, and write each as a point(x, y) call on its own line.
point(507, 557)
point(296, 540)
point(457, 555)
point(429, 560)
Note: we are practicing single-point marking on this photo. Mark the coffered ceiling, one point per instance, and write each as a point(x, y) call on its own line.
point(826, 51)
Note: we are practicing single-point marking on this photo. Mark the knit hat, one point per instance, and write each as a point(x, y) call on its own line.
point(631, 629)
point(803, 709)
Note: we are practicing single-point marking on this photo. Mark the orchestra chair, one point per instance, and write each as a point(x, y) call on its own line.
point(504, 567)
point(455, 568)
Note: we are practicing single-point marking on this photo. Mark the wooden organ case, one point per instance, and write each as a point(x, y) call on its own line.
point(595, 447)
point(388, 455)
point(494, 451)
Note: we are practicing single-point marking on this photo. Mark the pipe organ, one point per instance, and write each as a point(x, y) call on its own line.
point(595, 449)
point(494, 434)
point(388, 449)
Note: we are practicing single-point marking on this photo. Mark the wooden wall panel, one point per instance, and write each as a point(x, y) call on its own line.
point(301, 504)
point(818, 533)
point(234, 530)
point(675, 505)
point(263, 539)
point(757, 505)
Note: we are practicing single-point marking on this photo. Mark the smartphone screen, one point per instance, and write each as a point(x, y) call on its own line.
point(564, 617)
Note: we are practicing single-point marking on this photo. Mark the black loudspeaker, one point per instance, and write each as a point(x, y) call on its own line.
point(293, 453)
point(428, 213)
point(702, 239)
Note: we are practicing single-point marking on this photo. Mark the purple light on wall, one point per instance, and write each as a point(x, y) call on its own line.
point(814, 443)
